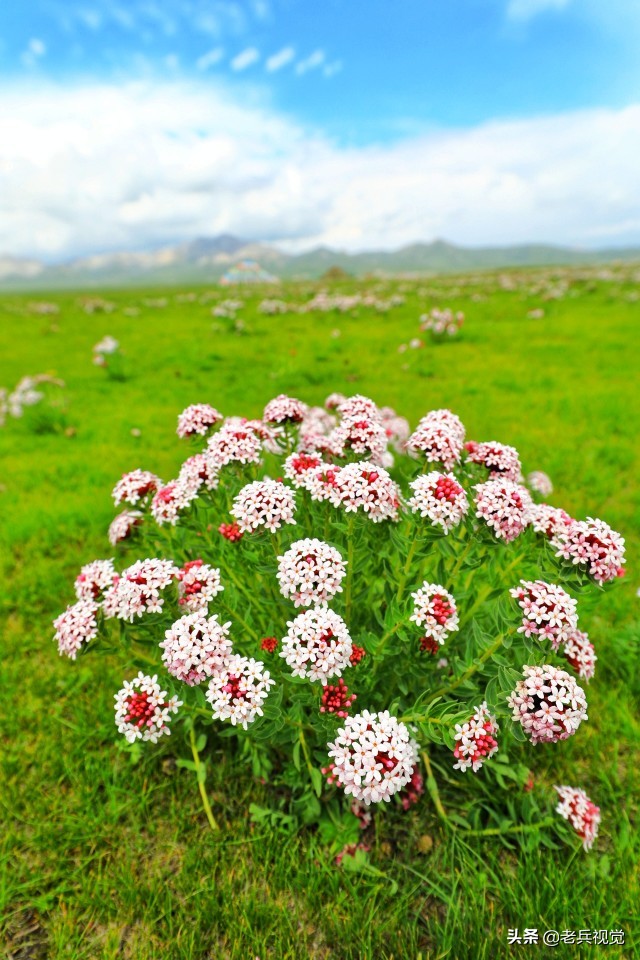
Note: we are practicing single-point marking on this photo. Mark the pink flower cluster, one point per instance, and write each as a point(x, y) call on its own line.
point(583, 815)
point(195, 647)
point(580, 654)
point(355, 487)
point(310, 572)
point(135, 486)
point(143, 711)
point(235, 443)
point(200, 470)
point(264, 503)
point(337, 699)
point(439, 498)
point(170, 499)
point(238, 690)
point(540, 483)
point(297, 465)
point(75, 627)
point(475, 740)
point(283, 410)
point(122, 526)
point(198, 584)
point(595, 545)
point(373, 756)
point(548, 520)
point(317, 645)
point(197, 420)
point(504, 506)
point(137, 590)
point(439, 438)
point(548, 703)
point(500, 459)
point(435, 611)
point(94, 578)
point(549, 613)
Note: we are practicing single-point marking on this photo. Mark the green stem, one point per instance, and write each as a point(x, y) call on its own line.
point(405, 569)
point(203, 791)
point(432, 787)
point(516, 828)
point(442, 691)
point(305, 750)
point(482, 596)
point(463, 556)
point(243, 622)
point(350, 555)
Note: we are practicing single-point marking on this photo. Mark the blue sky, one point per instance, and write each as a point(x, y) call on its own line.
point(411, 77)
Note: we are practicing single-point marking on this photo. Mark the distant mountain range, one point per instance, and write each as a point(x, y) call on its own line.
point(206, 259)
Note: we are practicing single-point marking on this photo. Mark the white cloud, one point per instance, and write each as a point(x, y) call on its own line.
point(210, 58)
point(280, 59)
point(312, 62)
point(526, 9)
point(36, 49)
point(170, 162)
point(331, 69)
point(246, 58)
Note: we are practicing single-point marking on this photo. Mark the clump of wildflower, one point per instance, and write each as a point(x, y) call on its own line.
point(548, 703)
point(504, 506)
point(396, 428)
point(168, 501)
point(364, 436)
point(75, 627)
point(583, 815)
point(137, 590)
point(284, 409)
point(580, 654)
point(197, 420)
point(358, 406)
point(198, 584)
point(435, 610)
point(548, 520)
point(231, 532)
point(310, 572)
point(549, 613)
point(500, 459)
point(238, 690)
point(475, 740)
point(94, 578)
point(143, 711)
point(235, 443)
point(122, 526)
point(317, 645)
point(337, 699)
point(429, 645)
point(270, 644)
point(540, 483)
point(373, 756)
point(357, 654)
point(439, 438)
point(135, 486)
point(595, 545)
point(439, 498)
point(350, 850)
point(195, 647)
point(296, 466)
point(359, 486)
point(264, 503)
point(200, 470)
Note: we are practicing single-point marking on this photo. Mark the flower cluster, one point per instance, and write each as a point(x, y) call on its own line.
point(238, 690)
point(94, 578)
point(317, 645)
point(195, 647)
point(373, 756)
point(197, 420)
point(283, 410)
point(142, 709)
point(580, 654)
point(583, 815)
point(439, 438)
point(337, 699)
point(137, 590)
point(540, 483)
point(548, 520)
point(122, 526)
point(475, 740)
point(500, 459)
point(439, 498)
point(310, 572)
point(135, 486)
point(231, 532)
point(504, 506)
point(442, 323)
point(169, 501)
point(549, 613)
point(359, 487)
point(264, 503)
point(76, 626)
point(198, 584)
point(595, 545)
point(235, 443)
point(435, 611)
point(548, 703)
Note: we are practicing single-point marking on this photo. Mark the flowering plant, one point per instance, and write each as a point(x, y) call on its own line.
point(442, 324)
point(108, 355)
point(357, 607)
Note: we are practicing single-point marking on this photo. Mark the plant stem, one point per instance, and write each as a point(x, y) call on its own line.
point(244, 623)
point(405, 569)
point(305, 750)
point(203, 791)
point(350, 555)
point(516, 828)
point(432, 787)
point(468, 673)
point(463, 556)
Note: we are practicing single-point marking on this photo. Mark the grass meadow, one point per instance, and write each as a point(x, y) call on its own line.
point(102, 858)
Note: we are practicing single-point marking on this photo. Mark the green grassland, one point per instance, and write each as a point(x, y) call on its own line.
point(106, 859)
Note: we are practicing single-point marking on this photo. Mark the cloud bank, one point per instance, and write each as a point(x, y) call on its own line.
point(106, 167)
